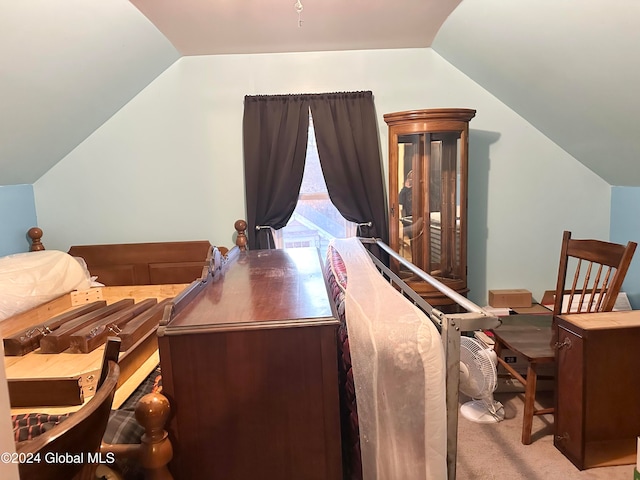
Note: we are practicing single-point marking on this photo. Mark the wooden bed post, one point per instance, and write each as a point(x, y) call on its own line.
point(156, 450)
point(35, 234)
point(241, 239)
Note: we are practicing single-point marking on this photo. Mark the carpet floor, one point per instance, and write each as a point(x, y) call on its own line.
point(495, 452)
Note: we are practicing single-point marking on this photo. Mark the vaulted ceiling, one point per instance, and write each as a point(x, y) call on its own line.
point(570, 68)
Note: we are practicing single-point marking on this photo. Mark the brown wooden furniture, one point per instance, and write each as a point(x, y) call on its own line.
point(153, 263)
point(35, 234)
point(598, 387)
point(154, 450)
point(70, 450)
point(249, 363)
point(145, 263)
point(160, 263)
point(428, 158)
point(598, 270)
point(71, 377)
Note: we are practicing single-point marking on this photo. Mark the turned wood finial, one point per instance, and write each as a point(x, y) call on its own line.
point(156, 450)
point(241, 239)
point(35, 234)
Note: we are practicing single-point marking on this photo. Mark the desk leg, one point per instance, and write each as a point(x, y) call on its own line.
point(529, 402)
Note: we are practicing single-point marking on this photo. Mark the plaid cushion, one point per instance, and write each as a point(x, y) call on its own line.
point(28, 426)
point(122, 427)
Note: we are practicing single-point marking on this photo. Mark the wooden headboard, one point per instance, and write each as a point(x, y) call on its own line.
point(146, 263)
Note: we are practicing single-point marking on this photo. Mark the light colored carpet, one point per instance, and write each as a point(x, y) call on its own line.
point(494, 451)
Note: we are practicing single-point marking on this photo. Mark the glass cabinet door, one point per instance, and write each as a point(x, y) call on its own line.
point(427, 194)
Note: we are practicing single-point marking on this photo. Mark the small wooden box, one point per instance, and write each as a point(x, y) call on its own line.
point(517, 297)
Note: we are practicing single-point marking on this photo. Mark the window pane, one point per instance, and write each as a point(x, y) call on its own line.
point(315, 221)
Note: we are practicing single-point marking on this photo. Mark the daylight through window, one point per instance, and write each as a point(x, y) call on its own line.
point(315, 220)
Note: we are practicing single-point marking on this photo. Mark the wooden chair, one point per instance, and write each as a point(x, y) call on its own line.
point(64, 451)
point(599, 269)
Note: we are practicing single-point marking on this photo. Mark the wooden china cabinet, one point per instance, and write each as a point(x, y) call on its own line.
point(428, 160)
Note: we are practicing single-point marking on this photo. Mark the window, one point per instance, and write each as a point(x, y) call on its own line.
point(315, 221)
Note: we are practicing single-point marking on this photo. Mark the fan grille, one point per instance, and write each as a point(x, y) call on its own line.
point(479, 379)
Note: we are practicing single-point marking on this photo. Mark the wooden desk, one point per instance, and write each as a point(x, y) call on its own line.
point(250, 368)
point(598, 387)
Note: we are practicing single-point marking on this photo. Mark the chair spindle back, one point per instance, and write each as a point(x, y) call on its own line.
point(597, 279)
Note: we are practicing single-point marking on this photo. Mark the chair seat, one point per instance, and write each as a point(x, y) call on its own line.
point(529, 335)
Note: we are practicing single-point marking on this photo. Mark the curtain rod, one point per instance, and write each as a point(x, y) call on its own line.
point(304, 95)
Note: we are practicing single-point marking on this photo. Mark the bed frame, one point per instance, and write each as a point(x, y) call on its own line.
point(163, 270)
point(450, 326)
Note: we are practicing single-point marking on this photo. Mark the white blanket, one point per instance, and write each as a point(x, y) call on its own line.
point(399, 375)
point(30, 279)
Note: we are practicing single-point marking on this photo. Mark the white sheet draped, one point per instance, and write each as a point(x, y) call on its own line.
point(30, 279)
point(399, 375)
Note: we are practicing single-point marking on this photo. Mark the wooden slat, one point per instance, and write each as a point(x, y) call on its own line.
point(140, 292)
point(29, 339)
point(141, 353)
point(93, 335)
point(35, 315)
point(59, 340)
point(135, 329)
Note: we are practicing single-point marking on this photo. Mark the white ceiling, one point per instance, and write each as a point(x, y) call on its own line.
point(205, 27)
point(569, 67)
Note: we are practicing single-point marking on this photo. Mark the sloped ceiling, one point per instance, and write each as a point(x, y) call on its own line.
point(66, 66)
point(567, 67)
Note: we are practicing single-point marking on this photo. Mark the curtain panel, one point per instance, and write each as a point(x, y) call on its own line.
point(349, 150)
point(275, 130)
point(275, 137)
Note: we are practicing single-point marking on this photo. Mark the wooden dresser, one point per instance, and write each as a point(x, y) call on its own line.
point(597, 418)
point(250, 367)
